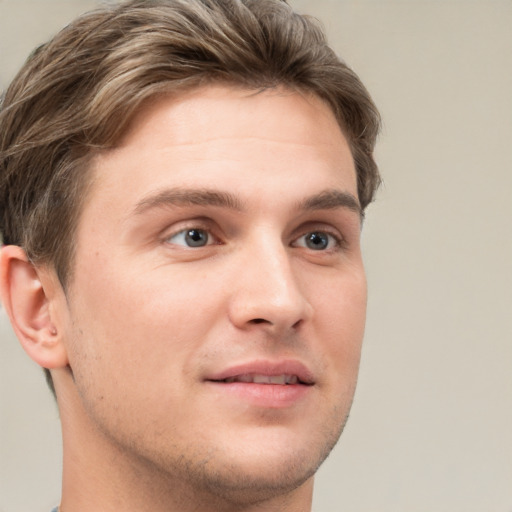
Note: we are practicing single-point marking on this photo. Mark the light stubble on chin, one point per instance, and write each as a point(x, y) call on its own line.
point(211, 478)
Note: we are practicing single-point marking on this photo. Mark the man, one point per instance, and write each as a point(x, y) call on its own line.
point(182, 190)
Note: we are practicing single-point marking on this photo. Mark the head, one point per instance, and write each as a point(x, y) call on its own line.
point(85, 97)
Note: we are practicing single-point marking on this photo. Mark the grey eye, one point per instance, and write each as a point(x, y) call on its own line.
point(317, 241)
point(194, 237)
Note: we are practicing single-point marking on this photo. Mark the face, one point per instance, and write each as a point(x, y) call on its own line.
point(217, 307)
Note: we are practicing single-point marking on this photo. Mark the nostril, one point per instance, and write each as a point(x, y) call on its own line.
point(258, 321)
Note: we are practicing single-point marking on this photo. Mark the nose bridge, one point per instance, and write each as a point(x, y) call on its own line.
point(268, 290)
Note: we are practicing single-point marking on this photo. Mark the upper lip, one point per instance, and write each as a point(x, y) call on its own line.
point(268, 368)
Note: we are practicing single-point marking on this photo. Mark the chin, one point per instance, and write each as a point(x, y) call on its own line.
point(250, 483)
point(261, 468)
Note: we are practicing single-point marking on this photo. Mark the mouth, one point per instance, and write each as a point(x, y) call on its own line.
point(255, 378)
point(280, 373)
point(263, 383)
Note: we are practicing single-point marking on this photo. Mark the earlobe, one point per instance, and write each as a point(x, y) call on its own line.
point(28, 295)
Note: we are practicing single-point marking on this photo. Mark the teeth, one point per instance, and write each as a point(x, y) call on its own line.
point(267, 379)
point(263, 379)
point(292, 379)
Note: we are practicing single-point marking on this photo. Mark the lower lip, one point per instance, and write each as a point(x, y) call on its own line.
point(274, 396)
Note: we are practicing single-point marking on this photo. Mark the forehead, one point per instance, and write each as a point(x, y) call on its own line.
point(226, 137)
point(238, 111)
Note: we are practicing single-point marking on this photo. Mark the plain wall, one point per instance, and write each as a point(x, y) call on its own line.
point(431, 426)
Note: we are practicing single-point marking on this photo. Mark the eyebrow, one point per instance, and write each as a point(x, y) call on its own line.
point(188, 197)
point(329, 199)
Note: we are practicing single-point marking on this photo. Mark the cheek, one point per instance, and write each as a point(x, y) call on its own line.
point(341, 302)
point(341, 316)
point(130, 350)
point(155, 319)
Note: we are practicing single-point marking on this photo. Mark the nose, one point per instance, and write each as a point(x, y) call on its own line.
point(267, 292)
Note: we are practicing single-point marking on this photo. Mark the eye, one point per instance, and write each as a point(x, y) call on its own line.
point(317, 241)
point(191, 237)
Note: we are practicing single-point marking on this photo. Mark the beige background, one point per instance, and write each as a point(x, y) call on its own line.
point(431, 428)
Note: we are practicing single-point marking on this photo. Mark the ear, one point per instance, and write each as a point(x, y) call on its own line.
point(30, 296)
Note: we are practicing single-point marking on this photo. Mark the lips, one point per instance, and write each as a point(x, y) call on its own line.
point(254, 378)
point(283, 373)
point(277, 385)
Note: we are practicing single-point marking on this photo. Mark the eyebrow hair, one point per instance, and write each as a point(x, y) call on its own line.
point(188, 197)
point(326, 200)
point(331, 199)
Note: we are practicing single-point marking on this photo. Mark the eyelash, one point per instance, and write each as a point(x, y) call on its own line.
point(334, 241)
point(188, 230)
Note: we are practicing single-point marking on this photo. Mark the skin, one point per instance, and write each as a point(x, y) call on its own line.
point(148, 322)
